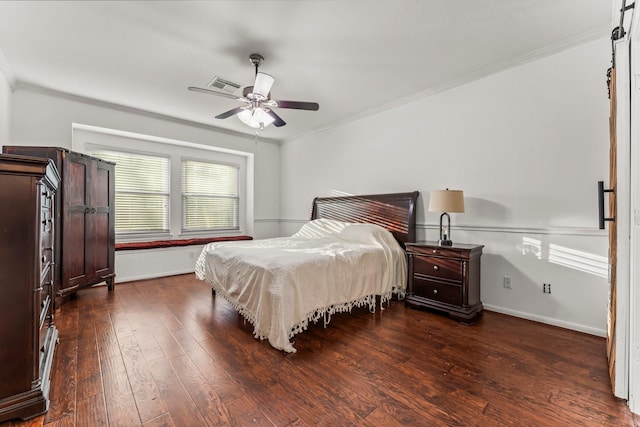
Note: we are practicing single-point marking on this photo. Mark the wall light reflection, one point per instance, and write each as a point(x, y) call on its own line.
point(531, 246)
point(578, 260)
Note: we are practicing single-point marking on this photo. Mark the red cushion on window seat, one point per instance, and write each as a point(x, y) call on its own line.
point(125, 246)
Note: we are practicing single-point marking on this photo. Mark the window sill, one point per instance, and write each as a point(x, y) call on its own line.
point(127, 246)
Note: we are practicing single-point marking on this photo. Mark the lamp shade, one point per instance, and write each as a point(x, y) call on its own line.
point(263, 84)
point(446, 201)
point(257, 118)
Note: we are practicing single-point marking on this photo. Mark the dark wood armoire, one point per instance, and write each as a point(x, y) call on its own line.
point(27, 333)
point(85, 220)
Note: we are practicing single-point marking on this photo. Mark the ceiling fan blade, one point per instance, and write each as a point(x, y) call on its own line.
point(277, 120)
point(229, 113)
point(298, 105)
point(263, 84)
point(213, 92)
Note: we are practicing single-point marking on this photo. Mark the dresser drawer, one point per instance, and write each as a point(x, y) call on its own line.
point(442, 292)
point(443, 268)
point(440, 251)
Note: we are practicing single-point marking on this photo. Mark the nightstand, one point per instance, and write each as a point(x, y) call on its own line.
point(445, 278)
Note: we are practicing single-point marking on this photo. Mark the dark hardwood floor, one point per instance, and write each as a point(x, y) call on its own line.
point(164, 352)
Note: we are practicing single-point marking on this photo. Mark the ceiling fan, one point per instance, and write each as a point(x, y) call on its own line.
point(257, 110)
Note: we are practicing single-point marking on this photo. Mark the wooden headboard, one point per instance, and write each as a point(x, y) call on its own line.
point(395, 211)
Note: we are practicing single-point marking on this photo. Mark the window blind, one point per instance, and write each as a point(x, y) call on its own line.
point(209, 196)
point(141, 191)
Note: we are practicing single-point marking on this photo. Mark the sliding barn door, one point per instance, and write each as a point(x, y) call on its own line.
point(619, 212)
point(613, 233)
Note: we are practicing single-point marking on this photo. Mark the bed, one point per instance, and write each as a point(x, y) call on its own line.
point(350, 254)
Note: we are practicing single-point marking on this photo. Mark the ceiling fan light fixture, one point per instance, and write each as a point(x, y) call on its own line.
point(263, 84)
point(256, 118)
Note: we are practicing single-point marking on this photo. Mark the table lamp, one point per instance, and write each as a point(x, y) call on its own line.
point(446, 201)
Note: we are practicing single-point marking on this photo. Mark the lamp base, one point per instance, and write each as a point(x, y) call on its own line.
point(445, 242)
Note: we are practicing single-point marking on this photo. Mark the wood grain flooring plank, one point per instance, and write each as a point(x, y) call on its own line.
point(143, 386)
point(202, 392)
point(92, 412)
point(165, 340)
point(163, 420)
point(67, 420)
point(247, 412)
point(148, 345)
point(89, 375)
point(277, 406)
point(121, 407)
point(106, 338)
point(212, 370)
point(33, 422)
point(183, 410)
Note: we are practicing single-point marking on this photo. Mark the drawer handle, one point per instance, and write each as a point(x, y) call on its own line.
point(44, 259)
point(435, 291)
point(435, 267)
point(435, 251)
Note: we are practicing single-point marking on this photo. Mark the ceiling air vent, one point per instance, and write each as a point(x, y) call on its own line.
point(218, 83)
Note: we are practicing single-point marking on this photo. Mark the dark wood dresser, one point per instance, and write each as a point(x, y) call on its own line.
point(85, 220)
point(27, 333)
point(445, 278)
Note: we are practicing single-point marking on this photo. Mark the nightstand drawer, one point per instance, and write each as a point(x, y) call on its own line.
point(440, 251)
point(449, 294)
point(443, 268)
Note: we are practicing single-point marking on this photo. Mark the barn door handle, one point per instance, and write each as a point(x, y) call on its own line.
point(601, 191)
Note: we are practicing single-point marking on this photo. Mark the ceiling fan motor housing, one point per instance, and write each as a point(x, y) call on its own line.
point(256, 59)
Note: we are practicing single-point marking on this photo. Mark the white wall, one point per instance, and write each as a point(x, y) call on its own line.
point(6, 97)
point(44, 118)
point(526, 145)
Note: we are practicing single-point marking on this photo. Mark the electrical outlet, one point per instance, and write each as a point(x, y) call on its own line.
point(546, 288)
point(506, 282)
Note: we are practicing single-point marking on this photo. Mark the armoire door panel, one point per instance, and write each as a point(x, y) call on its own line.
point(75, 261)
point(101, 188)
point(76, 194)
point(101, 258)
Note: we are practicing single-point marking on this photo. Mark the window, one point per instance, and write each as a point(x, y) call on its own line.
point(142, 192)
point(169, 189)
point(209, 196)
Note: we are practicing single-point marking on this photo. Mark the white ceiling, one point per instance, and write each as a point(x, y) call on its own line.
point(353, 57)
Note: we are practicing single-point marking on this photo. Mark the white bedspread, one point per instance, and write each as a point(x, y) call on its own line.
point(281, 284)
